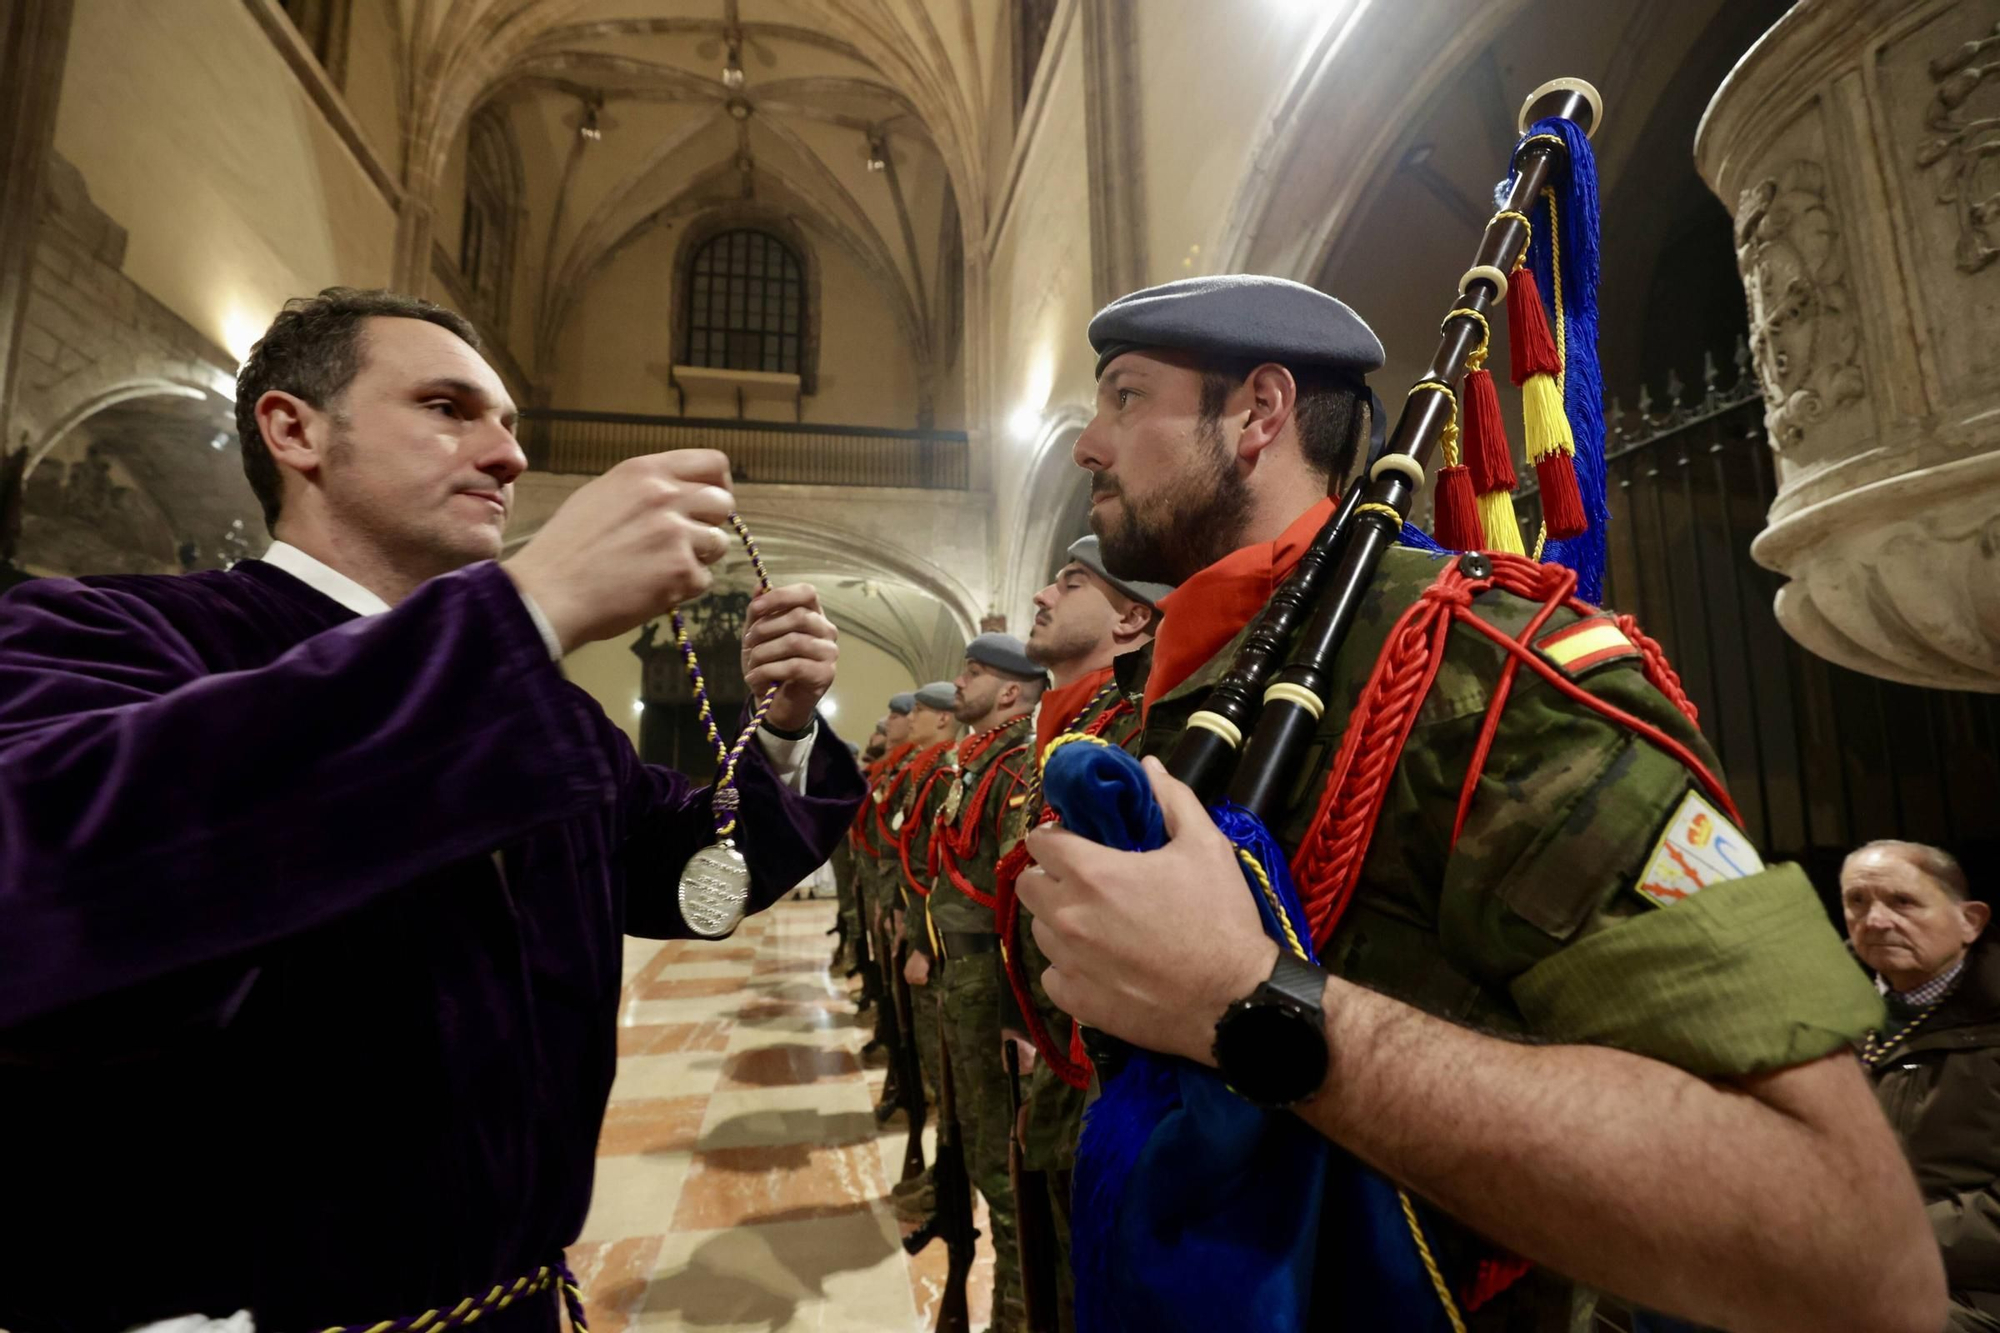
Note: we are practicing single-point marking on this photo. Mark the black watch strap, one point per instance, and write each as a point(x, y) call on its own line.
point(1297, 980)
point(798, 735)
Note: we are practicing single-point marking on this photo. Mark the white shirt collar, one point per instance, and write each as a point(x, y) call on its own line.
point(324, 578)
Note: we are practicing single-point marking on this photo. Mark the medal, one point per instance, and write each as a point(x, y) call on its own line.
point(953, 799)
point(896, 822)
point(714, 888)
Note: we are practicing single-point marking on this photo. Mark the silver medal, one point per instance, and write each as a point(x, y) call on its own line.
point(714, 889)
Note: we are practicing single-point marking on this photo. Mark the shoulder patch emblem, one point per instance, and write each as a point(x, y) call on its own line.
point(1698, 847)
point(1588, 644)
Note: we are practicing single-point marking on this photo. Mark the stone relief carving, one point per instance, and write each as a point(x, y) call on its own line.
point(1968, 145)
point(1802, 329)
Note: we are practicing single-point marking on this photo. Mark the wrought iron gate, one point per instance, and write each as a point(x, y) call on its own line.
point(1819, 758)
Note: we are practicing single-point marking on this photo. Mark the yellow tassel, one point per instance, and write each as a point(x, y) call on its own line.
point(1496, 518)
point(1543, 420)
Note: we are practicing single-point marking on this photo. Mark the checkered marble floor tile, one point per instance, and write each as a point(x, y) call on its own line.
point(742, 1183)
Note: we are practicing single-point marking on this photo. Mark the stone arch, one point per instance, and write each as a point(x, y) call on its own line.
point(1301, 185)
point(147, 480)
point(42, 420)
point(1051, 519)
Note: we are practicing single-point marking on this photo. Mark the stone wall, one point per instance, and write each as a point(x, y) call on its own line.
point(91, 337)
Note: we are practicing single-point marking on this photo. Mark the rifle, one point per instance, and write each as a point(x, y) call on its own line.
point(952, 1222)
point(1033, 1227)
point(909, 1070)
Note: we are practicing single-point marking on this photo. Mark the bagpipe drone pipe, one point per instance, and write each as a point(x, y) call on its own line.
point(1194, 1209)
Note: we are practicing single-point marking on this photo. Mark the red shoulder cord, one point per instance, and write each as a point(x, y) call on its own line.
point(913, 773)
point(925, 771)
point(1327, 866)
point(1070, 1064)
point(952, 847)
point(858, 831)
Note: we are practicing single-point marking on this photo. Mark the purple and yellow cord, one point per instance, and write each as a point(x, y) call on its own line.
point(469, 1310)
point(726, 757)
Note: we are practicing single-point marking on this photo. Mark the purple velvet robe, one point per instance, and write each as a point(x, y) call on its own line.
point(276, 1032)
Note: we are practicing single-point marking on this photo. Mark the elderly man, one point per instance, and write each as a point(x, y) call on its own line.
point(1936, 1064)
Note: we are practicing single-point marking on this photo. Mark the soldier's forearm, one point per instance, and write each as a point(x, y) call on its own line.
point(1782, 1203)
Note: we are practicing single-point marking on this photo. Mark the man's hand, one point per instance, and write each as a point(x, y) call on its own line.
point(1148, 946)
point(633, 544)
point(917, 969)
point(788, 642)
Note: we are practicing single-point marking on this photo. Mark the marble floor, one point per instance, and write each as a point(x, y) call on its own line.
point(741, 1180)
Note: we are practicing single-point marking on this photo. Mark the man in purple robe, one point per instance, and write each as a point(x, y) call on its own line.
point(314, 873)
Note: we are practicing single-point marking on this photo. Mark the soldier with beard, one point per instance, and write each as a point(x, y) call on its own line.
point(1086, 622)
point(996, 695)
point(1551, 1011)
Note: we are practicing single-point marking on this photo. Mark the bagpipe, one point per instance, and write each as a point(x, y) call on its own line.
point(1194, 1209)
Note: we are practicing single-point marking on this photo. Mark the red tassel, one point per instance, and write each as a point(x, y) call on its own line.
point(1486, 451)
point(1562, 499)
point(1455, 513)
point(1531, 347)
point(1492, 1277)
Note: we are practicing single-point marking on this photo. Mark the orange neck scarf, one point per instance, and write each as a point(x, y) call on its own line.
point(1202, 615)
point(1061, 705)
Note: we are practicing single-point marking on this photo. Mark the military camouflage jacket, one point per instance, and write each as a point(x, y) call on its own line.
point(1055, 1109)
point(1547, 919)
point(979, 826)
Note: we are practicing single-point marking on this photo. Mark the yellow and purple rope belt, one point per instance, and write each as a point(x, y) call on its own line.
point(471, 1308)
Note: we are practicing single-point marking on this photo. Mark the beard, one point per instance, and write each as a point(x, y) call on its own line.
point(972, 710)
point(1053, 644)
point(1189, 523)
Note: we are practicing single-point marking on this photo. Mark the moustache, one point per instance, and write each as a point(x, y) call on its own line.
point(1103, 484)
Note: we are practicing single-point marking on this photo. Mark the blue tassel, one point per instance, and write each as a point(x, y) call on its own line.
point(1247, 833)
point(1583, 381)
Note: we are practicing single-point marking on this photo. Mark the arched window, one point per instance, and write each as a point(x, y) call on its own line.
point(746, 304)
point(493, 188)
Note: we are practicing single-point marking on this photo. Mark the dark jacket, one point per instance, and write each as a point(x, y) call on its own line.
point(1941, 1090)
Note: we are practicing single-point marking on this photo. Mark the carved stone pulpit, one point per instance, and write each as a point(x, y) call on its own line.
point(1858, 144)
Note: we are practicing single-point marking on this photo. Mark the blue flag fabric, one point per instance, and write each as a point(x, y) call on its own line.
point(1193, 1208)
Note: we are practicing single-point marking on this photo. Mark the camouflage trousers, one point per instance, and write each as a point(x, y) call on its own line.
point(925, 1011)
point(971, 1007)
point(847, 903)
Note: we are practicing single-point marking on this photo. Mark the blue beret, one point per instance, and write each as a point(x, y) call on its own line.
point(941, 695)
point(1085, 551)
point(901, 704)
point(1003, 652)
point(1239, 316)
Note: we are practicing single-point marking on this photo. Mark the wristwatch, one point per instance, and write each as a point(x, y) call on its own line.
point(1271, 1045)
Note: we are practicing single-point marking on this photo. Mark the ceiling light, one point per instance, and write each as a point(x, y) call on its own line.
point(219, 441)
point(638, 705)
point(732, 67)
point(589, 129)
point(827, 708)
point(878, 153)
point(1025, 423)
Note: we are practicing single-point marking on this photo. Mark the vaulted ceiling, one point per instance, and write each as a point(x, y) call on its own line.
point(717, 105)
point(825, 86)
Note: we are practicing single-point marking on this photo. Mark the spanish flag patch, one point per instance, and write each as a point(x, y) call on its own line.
point(1588, 644)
